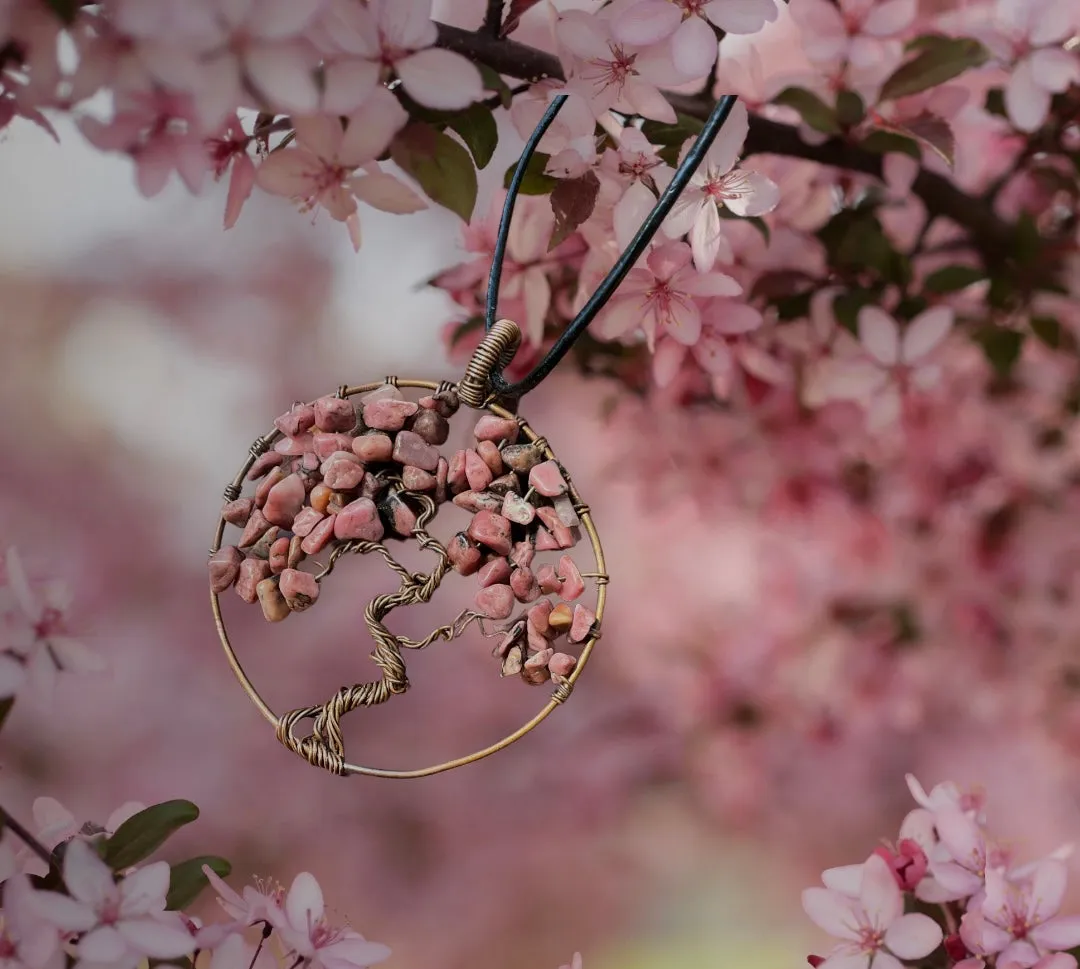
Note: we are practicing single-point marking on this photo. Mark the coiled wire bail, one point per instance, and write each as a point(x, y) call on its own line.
point(499, 345)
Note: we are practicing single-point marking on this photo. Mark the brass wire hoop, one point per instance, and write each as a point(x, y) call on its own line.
point(324, 747)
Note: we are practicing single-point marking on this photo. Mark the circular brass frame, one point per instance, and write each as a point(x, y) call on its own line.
point(337, 764)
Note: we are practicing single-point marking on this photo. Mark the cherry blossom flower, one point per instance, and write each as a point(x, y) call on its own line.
point(229, 151)
point(718, 183)
point(254, 905)
point(392, 38)
point(302, 925)
point(27, 941)
point(850, 30)
point(873, 928)
point(120, 923)
point(1030, 36)
point(161, 133)
point(37, 646)
point(689, 26)
point(1019, 921)
point(320, 173)
point(611, 75)
point(717, 350)
point(574, 121)
point(660, 297)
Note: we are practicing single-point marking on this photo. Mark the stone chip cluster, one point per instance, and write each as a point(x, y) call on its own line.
point(345, 471)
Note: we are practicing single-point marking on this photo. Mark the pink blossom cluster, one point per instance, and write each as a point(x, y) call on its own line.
point(946, 890)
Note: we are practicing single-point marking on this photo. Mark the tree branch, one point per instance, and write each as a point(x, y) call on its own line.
point(989, 234)
point(493, 18)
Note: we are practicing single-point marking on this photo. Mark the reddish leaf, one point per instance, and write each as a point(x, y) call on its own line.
point(514, 14)
point(572, 201)
point(929, 130)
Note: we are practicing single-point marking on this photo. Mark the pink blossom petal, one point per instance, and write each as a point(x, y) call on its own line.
point(440, 79)
point(1055, 69)
point(351, 952)
point(383, 191)
point(899, 170)
point(537, 292)
point(850, 960)
point(144, 890)
point(890, 17)
point(405, 24)
point(647, 101)
point(713, 354)
point(372, 128)
point(292, 172)
point(1050, 23)
point(694, 47)
point(682, 321)
point(637, 201)
point(241, 182)
point(919, 827)
point(87, 877)
point(883, 960)
point(37, 939)
point(960, 834)
point(732, 317)
point(707, 239)
point(724, 152)
point(758, 194)
point(741, 16)
point(832, 912)
point(12, 675)
point(646, 22)
point(761, 364)
point(153, 166)
point(64, 912)
point(281, 19)
point(924, 333)
point(879, 335)
point(102, 945)
point(304, 903)
point(709, 284)
point(1026, 102)
point(582, 35)
point(955, 879)
point(622, 316)
point(1060, 932)
point(1018, 955)
point(668, 360)
point(913, 936)
point(283, 74)
point(157, 938)
point(319, 134)
point(684, 213)
point(347, 85)
point(824, 35)
point(668, 260)
point(845, 879)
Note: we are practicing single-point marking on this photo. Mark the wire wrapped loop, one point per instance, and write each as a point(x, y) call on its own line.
point(496, 351)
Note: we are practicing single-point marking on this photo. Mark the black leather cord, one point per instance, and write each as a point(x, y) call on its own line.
point(618, 272)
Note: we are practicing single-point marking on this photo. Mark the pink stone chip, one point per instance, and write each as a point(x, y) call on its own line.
point(547, 479)
point(463, 555)
point(401, 517)
point(564, 537)
point(562, 664)
point(263, 463)
point(383, 392)
point(495, 601)
point(512, 637)
point(279, 555)
point(496, 572)
point(573, 585)
point(274, 607)
point(477, 473)
point(490, 455)
point(224, 568)
point(295, 446)
point(373, 447)
point(334, 414)
point(492, 428)
point(310, 462)
point(285, 500)
point(299, 589)
point(297, 420)
point(417, 479)
point(410, 448)
point(522, 554)
point(549, 581)
point(478, 501)
point(306, 519)
point(517, 509)
point(538, 616)
point(319, 536)
point(262, 489)
point(296, 552)
point(252, 572)
point(525, 586)
point(582, 625)
point(342, 471)
point(387, 414)
point(256, 527)
point(535, 669)
point(537, 639)
point(455, 474)
point(441, 474)
point(325, 443)
point(359, 521)
point(564, 508)
point(544, 540)
point(491, 530)
point(238, 512)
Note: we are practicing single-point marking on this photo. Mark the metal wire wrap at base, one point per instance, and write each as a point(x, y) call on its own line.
point(324, 746)
point(499, 345)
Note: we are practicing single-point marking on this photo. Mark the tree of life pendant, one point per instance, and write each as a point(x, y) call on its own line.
point(360, 471)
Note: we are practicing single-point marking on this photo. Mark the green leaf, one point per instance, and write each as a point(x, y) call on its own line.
point(143, 833)
point(535, 181)
point(662, 133)
point(846, 307)
point(1001, 346)
point(1027, 242)
point(572, 201)
point(65, 10)
point(937, 62)
point(477, 128)
point(441, 166)
point(850, 109)
point(949, 279)
point(493, 82)
point(881, 142)
point(1049, 330)
point(856, 240)
point(187, 881)
point(815, 112)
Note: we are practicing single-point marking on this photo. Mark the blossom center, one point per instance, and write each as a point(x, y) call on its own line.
point(733, 185)
point(691, 8)
point(323, 934)
point(615, 70)
point(110, 912)
point(49, 624)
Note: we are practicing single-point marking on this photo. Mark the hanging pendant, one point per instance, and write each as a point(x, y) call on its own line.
point(357, 471)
